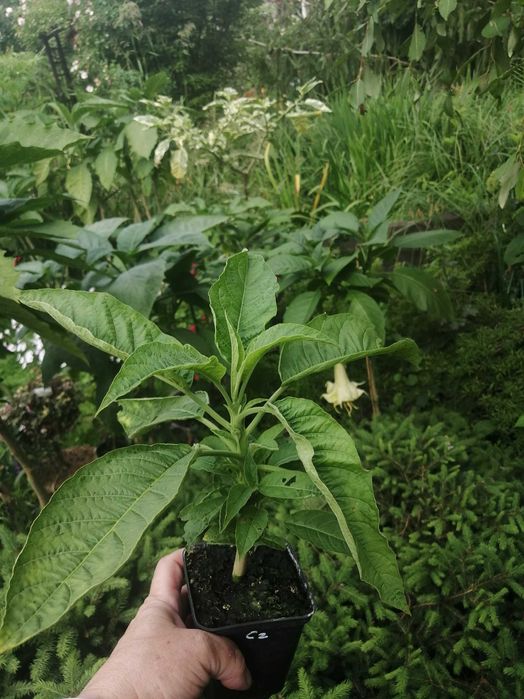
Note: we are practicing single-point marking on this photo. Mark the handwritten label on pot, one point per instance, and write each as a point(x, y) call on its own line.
point(256, 635)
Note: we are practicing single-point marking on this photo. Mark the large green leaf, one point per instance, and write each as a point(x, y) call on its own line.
point(355, 337)
point(380, 212)
point(15, 311)
point(129, 238)
point(87, 532)
point(319, 527)
point(365, 307)
point(417, 43)
point(344, 220)
point(303, 307)
point(276, 336)
point(141, 138)
point(286, 484)
point(426, 239)
point(423, 290)
point(23, 140)
point(330, 458)
point(139, 286)
point(106, 164)
point(160, 359)
point(246, 292)
point(98, 319)
point(79, 184)
point(186, 230)
point(8, 277)
point(139, 414)
point(446, 7)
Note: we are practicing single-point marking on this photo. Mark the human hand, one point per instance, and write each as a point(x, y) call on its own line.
point(158, 657)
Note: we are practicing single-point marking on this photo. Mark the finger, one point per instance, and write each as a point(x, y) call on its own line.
point(227, 663)
point(168, 579)
point(184, 602)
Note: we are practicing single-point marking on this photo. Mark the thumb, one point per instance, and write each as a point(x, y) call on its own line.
point(227, 663)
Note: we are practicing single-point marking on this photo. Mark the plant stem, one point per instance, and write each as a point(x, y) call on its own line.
point(24, 460)
point(240, 566)
point(220, 452)
point(373, 393)
point(259, 417)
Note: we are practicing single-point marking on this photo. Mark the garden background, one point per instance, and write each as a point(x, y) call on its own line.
point(373, 151)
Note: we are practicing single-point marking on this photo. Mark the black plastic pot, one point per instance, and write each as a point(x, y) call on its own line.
point(268, 645)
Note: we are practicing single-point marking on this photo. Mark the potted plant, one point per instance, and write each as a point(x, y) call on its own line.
point(260, 450)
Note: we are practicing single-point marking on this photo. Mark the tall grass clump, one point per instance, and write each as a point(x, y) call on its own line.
point(438, 146)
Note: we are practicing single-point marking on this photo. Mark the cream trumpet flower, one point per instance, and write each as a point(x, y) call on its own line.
point(342, 392)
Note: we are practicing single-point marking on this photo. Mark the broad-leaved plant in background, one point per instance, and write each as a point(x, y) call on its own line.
point(260, 449)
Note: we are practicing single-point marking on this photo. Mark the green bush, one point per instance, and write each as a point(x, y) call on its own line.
point(451, 510)
point(476, 369)
point(26, 80)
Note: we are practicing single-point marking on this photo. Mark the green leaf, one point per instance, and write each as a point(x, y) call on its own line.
point(98, 319)
point(87, 532)
point(237, 497)
point(363, 306)
point(105, 167)
point(330, 458)
point(79, 184)
point(319, 527)
point(250, 468)
point(507, 175)
point(15, 311)
point(186, 230)
point(246, 290)
point(285, 263)
point(446, 7)
point(357, 93)
point(380, 212)
point(140, 285)
point(343, 220)
point(333, 267)
point(369, 38)
point(417, 44)
point(139, 414)
point(372, 83)
point(198, 516)
point(286, 484)
point(496, 26)
point(423, 290)
point(303, 307)
point(425, 239)
point(275, 336)
point(250, 527)
point(513, 255)
point(355, 338)
point(163, 359)
point(24, 140)
point(141, 138)
point(129, 238)
point(106, 227)
point(8, 277)
point(520, 422)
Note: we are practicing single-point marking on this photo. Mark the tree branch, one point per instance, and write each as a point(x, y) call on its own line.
point(19, 453)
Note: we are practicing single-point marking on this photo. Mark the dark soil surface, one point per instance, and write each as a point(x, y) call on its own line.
point(270, 589)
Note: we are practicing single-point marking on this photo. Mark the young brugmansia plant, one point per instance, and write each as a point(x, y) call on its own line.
point(95, 519)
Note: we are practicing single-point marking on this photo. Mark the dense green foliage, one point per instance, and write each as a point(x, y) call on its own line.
point(452, 509)
point(373, 153)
